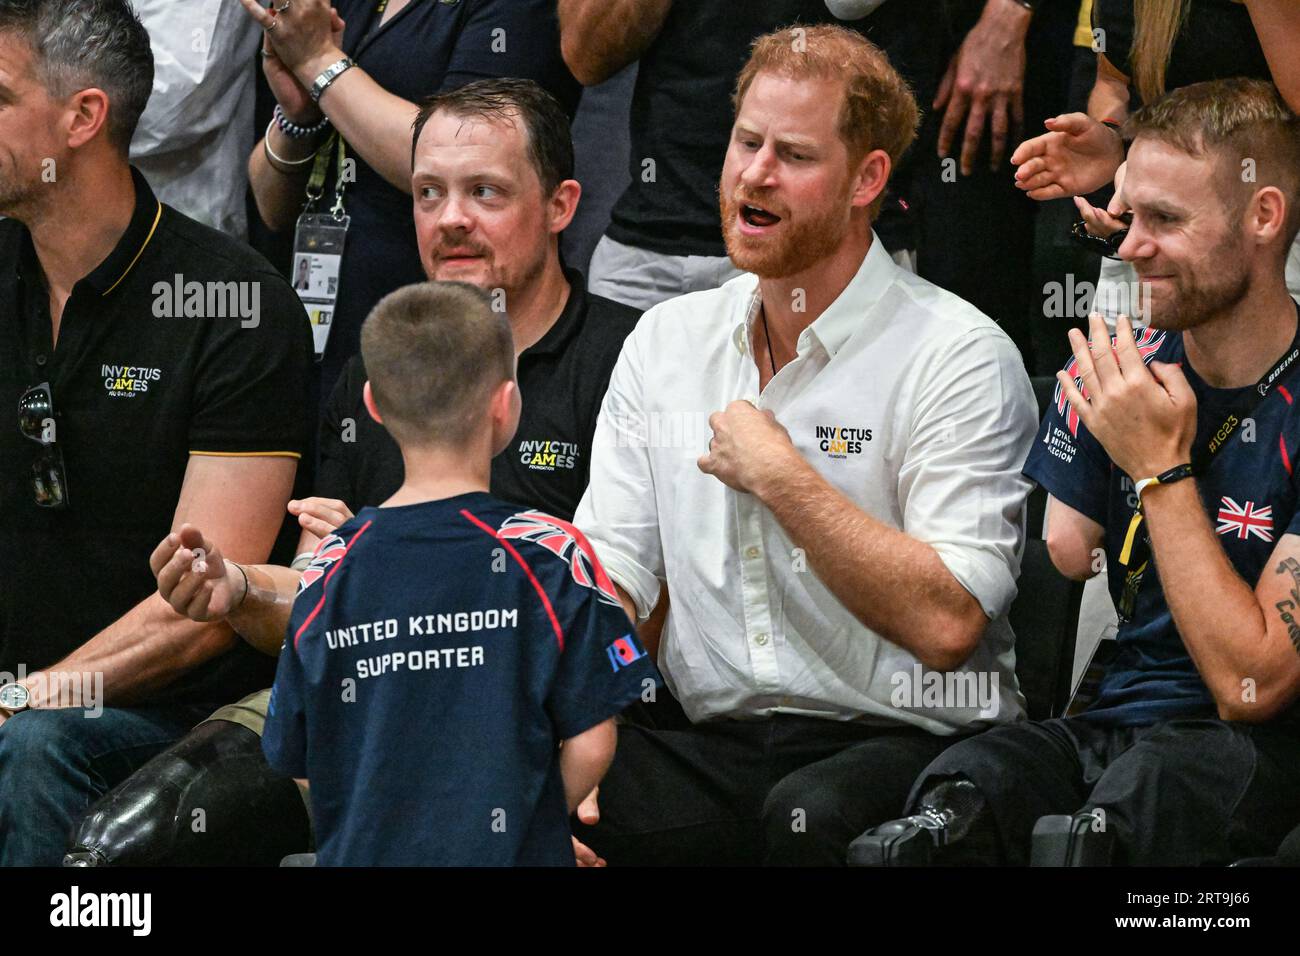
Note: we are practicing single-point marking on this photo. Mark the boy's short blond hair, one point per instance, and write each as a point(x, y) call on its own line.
point(434, 352)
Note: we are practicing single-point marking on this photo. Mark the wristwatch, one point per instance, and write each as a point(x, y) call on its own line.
point(13, 698)
point(329, 75)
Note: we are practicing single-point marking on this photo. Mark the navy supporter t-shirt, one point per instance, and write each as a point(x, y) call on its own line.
point(436, 656)
point(1249, 493)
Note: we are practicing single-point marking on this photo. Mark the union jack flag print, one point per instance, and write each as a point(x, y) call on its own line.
point(1245, 520)
point(1148, 341)
point(565, 541)
point(328, 551)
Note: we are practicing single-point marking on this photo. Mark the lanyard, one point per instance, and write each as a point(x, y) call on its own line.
point(316, 184)
point(1135, 554)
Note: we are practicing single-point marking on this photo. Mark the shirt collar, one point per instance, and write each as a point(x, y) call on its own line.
point(569, 322)
point(843, 317)
point(110, 273)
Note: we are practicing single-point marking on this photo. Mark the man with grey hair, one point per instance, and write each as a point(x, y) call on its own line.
point(159, 371)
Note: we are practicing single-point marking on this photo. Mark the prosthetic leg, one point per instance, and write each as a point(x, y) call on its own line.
point(208, 800)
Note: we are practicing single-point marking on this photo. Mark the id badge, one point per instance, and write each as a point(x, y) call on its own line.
point(317, 255)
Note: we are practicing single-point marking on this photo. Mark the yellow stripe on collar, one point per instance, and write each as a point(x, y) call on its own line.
point(157, 217)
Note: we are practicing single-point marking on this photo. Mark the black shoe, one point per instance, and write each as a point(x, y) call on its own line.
point(910, 841)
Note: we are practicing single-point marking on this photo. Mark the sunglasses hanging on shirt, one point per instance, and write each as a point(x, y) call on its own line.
point(36, 423)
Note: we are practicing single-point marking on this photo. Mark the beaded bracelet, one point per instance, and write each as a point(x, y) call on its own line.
point(293, 130)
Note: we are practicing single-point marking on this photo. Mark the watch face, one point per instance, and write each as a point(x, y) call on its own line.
point(13, 696)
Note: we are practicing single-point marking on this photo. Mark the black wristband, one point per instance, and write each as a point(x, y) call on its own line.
point(1177, 473)
point(243, 597)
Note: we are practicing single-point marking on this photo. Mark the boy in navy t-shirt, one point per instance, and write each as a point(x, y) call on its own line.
point(453, 662)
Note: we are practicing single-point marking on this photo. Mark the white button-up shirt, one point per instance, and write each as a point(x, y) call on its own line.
point(910, 402)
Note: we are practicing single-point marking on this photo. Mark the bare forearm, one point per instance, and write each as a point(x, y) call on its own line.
point(375, 124)
point(280, 193)
point(263, 614)
point(894, 584)
point(145, 650)
point(1108, 100)
point(1216, 612)
point(1277, 24)
point(584, 760)
point(600, 37)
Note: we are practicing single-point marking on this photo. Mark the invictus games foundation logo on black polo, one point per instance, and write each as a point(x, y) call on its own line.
point(128, 381)
point(549, 455)
point(840, 441)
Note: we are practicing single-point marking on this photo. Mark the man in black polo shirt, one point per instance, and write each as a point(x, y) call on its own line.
point(493, 189)
point(154, 373)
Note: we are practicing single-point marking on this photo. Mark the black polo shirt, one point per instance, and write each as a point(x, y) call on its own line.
point(562, 380)
point(140, 382)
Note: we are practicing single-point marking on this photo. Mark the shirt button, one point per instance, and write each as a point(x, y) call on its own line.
point(40, 360)
point(752, 552)
point(760, 639)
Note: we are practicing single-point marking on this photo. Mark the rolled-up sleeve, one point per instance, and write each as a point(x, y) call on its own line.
point(619, 513)
point(960, 487)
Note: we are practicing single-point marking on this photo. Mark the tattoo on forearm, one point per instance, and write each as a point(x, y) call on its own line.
point(1289, 607)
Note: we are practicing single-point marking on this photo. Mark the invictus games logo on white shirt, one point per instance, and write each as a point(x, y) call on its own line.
point(549, 455)
point(839, 441)
point(128, 381)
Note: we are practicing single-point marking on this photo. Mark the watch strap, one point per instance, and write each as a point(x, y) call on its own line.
point(329, 75)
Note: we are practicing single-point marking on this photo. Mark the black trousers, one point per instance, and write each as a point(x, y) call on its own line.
point(1182, 793)
point(785, 790)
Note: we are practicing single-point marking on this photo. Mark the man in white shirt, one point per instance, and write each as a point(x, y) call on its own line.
point(842, 556)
